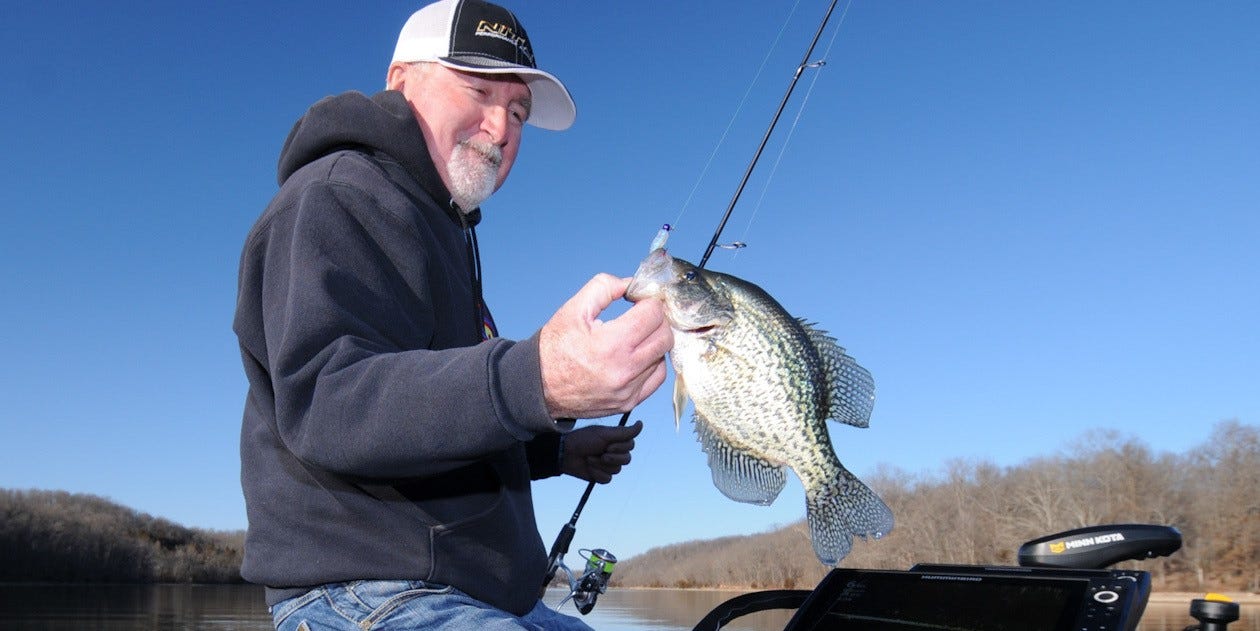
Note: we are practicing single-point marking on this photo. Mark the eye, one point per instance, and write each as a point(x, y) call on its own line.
point(690, 275)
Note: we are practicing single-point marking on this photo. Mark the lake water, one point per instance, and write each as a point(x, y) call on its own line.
point(232, 607)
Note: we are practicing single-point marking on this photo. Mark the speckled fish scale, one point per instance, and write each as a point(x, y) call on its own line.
point(764, 384)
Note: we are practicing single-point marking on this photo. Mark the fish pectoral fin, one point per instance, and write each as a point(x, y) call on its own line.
point(739, 474)
point(680, 400)
point(850, 388)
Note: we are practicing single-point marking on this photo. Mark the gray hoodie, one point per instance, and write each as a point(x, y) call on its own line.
point(382, 438)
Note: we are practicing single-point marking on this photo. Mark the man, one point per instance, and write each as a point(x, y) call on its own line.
point(389, 437)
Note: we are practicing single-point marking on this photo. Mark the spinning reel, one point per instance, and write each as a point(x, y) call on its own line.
point(584, 590)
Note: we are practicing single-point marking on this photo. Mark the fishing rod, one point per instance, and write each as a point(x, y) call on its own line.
point(584, 591)
point(800, 69)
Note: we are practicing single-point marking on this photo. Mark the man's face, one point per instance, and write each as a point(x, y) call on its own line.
point(471, 123)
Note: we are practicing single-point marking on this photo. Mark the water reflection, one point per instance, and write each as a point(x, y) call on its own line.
point(1170, 617)
point(127, 607)
point(666, 610)
point(110, 607)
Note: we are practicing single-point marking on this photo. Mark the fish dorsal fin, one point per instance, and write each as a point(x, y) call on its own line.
point(850, 388)
point(738, 474)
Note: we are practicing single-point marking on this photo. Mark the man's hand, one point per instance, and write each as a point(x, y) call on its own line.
point(592, 368)
point(596, 453)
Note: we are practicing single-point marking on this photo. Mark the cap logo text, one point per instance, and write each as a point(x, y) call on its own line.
point(507, 34)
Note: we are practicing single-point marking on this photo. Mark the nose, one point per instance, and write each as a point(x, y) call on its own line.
point(495, 122)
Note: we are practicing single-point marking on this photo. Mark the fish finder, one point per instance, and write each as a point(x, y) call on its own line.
point(976, 599)
point(1067, 589)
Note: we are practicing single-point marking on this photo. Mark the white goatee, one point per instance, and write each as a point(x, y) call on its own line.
point(473, 170)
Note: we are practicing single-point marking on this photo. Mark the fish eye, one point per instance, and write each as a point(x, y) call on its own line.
point(690, 275)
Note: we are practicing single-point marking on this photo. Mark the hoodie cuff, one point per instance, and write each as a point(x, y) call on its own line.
point(520, 398)
point(545, 455)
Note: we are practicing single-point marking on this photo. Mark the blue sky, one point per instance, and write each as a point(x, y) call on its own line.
point(1027, 220)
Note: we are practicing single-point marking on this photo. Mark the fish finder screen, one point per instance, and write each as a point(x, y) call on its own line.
point(900, 602)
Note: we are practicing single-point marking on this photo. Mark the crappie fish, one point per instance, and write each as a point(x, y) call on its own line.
point(764, 384)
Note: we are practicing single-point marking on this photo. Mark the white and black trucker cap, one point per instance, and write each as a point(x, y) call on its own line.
point(476, 36)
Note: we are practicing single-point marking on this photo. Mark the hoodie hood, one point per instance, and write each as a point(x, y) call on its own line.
point(384, 123)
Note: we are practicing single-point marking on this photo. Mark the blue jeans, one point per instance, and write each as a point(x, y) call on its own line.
point(396, 605)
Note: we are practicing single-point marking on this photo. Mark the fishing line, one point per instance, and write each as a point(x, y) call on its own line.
point(800, 68)
point(818, 65)
point(565, 538)
point(734, 116)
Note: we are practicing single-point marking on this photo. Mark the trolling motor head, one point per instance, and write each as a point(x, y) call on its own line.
point(1096, 547)
point(586, 589)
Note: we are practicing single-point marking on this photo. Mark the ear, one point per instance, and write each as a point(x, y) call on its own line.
point(396, 76)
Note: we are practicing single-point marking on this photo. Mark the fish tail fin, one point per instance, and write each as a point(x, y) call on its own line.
point(840, 509)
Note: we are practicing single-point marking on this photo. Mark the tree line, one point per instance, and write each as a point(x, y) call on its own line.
point(57, 536)
point(979, 513)
point(971, 512)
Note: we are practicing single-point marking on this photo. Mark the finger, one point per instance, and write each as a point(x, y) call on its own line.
point(615, 460)
point(619, 448)
point(600, 474)
point(621, 438)
point(599, 292)
point(654, 346)
point(614, 433)
point(615, 457)
point(649, 380)
point(641, 322)
point(608, 462)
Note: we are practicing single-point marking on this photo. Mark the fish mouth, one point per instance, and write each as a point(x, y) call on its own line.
point(651, 277)
point(701, 330)
point(640, 289)
point(699, 322)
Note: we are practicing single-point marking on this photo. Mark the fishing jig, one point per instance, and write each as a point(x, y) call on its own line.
point(662, 235)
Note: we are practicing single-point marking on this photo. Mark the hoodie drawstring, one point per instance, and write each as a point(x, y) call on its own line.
point(481, 316)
